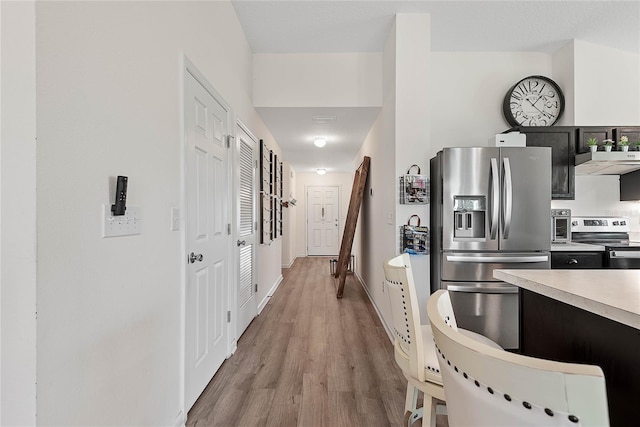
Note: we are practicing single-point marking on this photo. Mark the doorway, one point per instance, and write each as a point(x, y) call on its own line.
point(247, 160)
point(323, 220)
point(206, 232)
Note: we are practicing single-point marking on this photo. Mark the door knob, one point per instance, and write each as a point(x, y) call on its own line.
point(193, 257)
point(241, 243)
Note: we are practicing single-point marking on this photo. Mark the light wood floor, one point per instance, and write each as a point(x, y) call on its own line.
point(308, 360)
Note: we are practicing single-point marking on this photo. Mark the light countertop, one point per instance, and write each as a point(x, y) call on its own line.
point(614, 294)
point(576, 247)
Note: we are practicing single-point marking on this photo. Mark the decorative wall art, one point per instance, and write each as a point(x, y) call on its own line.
point(270, 195)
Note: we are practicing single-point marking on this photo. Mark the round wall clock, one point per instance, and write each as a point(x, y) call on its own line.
point(533, 101)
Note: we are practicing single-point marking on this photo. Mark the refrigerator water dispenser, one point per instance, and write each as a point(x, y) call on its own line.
point(469, 217)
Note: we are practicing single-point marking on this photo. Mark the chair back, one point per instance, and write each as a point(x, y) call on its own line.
point(405, 318)
point(486, 386)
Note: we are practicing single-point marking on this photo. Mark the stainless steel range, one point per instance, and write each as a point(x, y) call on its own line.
point(613, 234)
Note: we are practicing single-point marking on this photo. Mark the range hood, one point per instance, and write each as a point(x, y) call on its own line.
point(607, 163)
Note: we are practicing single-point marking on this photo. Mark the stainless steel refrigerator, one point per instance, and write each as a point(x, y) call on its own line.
point(490, 209)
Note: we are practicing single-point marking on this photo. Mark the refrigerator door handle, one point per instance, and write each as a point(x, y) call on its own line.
point(498, 259)
point(483, 289)
point(508, 197)
point(495, 199)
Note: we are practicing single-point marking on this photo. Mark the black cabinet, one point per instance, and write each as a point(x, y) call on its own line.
point(576, 260)
point(633, 133)
point(584, 133)
point(630, 186)
point(562, 140)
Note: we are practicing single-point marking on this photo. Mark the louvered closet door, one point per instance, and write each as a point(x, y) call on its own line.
point(247, 160)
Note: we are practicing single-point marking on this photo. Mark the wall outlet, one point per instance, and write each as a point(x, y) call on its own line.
point(122, 225)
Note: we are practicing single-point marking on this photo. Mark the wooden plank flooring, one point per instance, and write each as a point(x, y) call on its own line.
point(309, 359)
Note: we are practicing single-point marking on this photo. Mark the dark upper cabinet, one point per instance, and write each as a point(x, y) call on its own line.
point(562, 140)
point(584, 133)
point(630, 186)
point(633, 133)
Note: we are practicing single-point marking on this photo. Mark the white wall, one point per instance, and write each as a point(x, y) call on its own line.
point(376, 239)
point(108, 103)
point(317, 80)
point(467, 90)
point(413, 100)
point(607, 85)
point(344, 181)
point(18, 214)
point(563, 71)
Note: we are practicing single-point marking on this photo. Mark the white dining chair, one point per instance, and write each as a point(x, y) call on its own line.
point(414, 348)
point(485, 386)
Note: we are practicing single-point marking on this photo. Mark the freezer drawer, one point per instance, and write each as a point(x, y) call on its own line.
point(478, 267)
point(494, 315)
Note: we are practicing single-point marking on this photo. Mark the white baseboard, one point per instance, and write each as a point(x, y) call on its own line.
point(290, 264)
point(384, 324)
point(266, 299)
point(180, 420)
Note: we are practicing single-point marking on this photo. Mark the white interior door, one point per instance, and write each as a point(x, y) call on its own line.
point(323, 220)
point(247, 155)
point(207, 237)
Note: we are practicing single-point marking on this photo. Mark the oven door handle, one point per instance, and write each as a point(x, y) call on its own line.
point(624, 254)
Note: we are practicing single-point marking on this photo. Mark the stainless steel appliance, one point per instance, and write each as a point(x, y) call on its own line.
point(613, 233)
point(607, 163)
point(490, 209)
point(560, 225)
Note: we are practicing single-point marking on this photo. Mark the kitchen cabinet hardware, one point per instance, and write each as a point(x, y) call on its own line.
point(577, 260)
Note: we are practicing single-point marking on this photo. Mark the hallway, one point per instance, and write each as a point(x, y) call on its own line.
point(308, 360)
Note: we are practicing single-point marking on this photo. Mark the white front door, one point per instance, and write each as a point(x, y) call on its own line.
point(247, 155)
point(323, 220)
point(207, 236)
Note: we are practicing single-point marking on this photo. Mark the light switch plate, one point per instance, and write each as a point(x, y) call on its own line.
point(121, 225)
point(175, 219)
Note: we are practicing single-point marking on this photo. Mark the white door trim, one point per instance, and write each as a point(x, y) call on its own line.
point(187, 67)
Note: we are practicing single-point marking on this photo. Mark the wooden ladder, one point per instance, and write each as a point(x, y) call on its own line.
point(357, 192)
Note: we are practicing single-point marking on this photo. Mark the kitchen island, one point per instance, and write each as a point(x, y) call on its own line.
point(585, 316)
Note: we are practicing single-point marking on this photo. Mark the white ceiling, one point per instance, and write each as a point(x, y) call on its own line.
point(295, 129)
point(308, 26)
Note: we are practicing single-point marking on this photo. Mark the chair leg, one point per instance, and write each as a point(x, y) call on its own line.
point(411, 400)
point(428, 408)
point(415, 416)
point(429, 411)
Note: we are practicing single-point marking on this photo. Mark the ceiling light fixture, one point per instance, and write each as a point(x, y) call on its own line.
point(320, 141)
point(321, 171)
